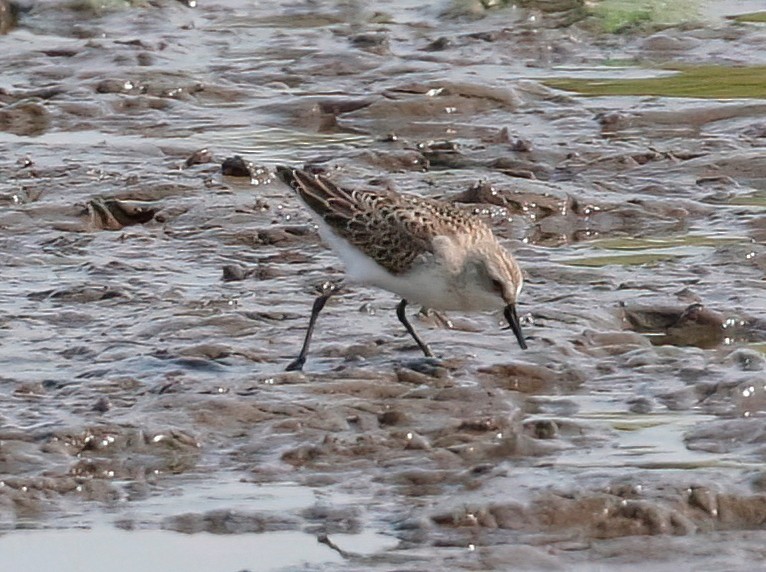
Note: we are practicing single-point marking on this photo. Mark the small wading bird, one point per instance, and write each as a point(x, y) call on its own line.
point(427, 251)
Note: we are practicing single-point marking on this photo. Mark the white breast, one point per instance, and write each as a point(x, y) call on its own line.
point(429, 285)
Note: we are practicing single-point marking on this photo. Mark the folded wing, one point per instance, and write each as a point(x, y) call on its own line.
point(392, 229)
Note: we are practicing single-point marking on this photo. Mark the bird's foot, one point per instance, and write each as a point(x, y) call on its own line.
point(296, 364)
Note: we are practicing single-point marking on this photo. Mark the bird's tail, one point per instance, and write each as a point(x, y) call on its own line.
point(324, 197)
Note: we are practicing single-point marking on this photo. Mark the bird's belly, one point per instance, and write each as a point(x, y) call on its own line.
point(432, 288)
point(429, 286)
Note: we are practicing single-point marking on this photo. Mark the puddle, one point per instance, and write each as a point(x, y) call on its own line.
point(223, 492)
point(648, 442)
point(102, 547)
point(159, 550)
point(78, 550)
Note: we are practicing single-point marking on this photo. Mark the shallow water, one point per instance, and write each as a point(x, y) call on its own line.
point(144, 398)
point(73, 550)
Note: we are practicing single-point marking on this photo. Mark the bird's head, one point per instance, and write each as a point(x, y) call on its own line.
point(498, 276)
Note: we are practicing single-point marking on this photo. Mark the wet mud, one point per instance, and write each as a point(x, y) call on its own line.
point(157, 280)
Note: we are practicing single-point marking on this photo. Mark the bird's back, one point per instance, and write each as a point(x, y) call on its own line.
point(394, 230)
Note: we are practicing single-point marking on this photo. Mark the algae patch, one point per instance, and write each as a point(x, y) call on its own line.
point(640, 259)
point(753, 17)
point(616, 16)
point(632, 244)
point(710, 82)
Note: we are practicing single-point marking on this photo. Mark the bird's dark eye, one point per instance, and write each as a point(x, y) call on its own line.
point(497, 285)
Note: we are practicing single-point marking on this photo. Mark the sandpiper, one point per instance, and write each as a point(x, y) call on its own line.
point(426, 251)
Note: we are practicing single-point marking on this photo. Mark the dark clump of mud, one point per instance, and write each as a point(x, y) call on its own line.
point(157, 280)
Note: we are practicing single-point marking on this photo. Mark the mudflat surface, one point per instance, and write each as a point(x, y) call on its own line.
point(149, 303)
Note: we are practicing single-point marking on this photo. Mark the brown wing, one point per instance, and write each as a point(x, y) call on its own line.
point(392, 229)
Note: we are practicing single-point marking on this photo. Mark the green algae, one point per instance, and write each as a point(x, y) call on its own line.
point(627, 251)
point(756, 199)
point(619, 260)
point(618, 16)
point(629, 244)
point(711, 82)
point(756, 17)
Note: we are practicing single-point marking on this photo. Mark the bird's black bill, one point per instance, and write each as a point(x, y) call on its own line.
point(513, 324)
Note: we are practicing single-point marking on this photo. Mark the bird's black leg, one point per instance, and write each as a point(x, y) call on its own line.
point(328, 290)
point(401, 314)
